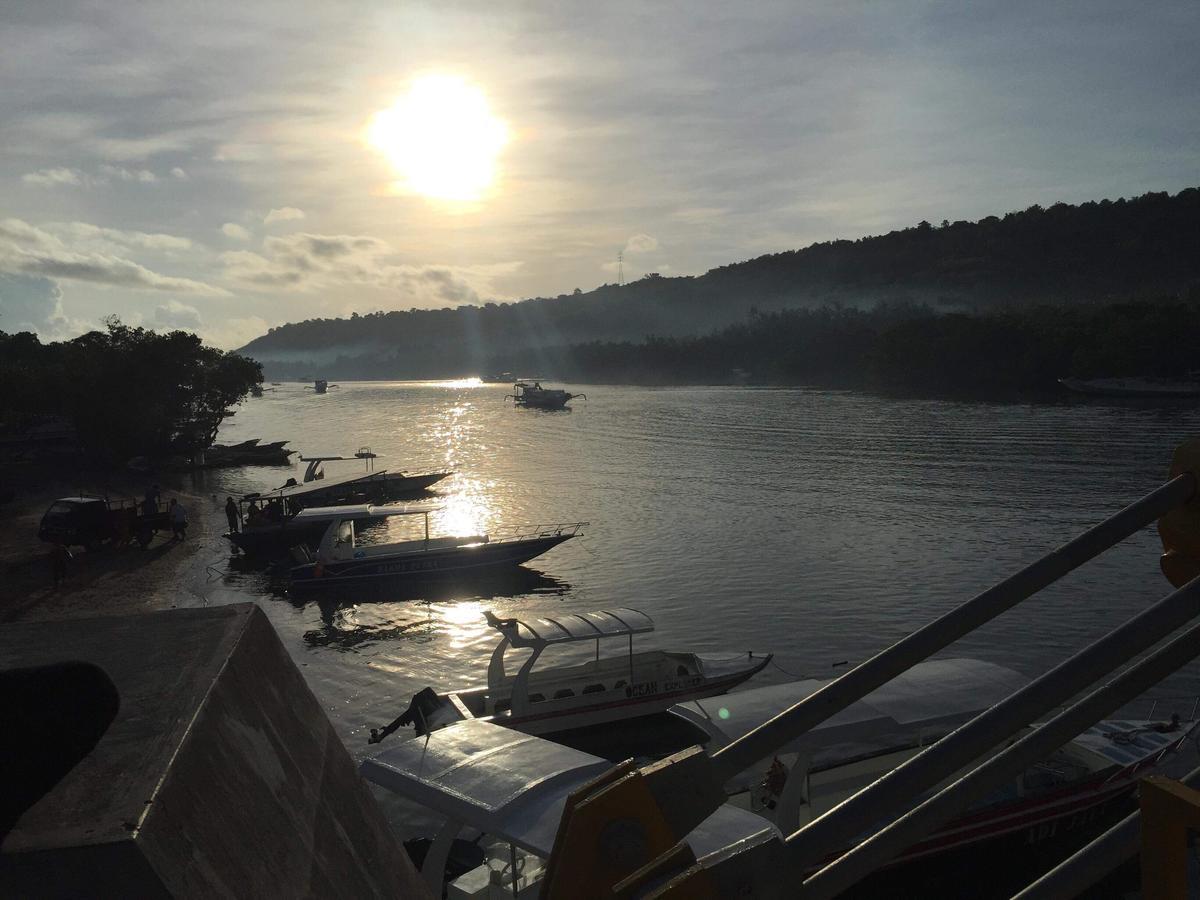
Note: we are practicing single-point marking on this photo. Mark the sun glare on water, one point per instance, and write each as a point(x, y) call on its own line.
point(441, 138)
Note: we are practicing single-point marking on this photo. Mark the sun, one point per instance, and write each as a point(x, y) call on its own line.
point(441, 138)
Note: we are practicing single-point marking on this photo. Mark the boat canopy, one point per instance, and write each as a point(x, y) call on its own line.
point(573, 627)
point(929, 699)
point(514, 786)
point(358, 511)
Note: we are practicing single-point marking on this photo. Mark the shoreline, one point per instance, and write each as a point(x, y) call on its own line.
point(108, 581)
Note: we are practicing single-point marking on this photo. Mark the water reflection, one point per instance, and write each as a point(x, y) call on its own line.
point(419, 611)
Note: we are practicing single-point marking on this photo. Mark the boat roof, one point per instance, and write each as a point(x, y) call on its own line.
point(562, 629)
point(303, 488)
point(935, 695)
point(515, 786)
point(360, 510)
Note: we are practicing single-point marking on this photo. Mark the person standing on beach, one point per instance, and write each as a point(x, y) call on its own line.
point(59, 556)
point(179, 522)
point(231, 513)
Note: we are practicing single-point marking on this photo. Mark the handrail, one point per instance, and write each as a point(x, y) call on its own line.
point(1092, 862)
point(923, 643)
point(836, 828)
point(939, 761)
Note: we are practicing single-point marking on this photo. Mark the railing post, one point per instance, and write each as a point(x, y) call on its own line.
point(1169, 810)
point(923, 643)
point(957, 798)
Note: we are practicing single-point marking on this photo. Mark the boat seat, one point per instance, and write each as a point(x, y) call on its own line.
point(536, 698)
point(563, 694)
point(594, 689)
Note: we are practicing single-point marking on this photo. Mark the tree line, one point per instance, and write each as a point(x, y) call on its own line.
point(1095, 252)
point(912, 348)
point(127, 391)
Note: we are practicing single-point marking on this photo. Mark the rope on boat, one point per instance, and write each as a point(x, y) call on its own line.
point(841, 662)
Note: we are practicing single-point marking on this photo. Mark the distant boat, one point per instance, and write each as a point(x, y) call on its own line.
point(526, 394)
point(1132, 387)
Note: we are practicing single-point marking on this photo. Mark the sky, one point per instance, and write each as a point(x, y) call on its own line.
point(228, 167)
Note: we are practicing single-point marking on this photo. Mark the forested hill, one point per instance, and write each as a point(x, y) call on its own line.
point(1094, 252)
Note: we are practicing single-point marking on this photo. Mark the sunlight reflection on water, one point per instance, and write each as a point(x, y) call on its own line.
point(818, 525)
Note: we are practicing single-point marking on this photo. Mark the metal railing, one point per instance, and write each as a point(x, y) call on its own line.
point(505, 533)
point(881, 802)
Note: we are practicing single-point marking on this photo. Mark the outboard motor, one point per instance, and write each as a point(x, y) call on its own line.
point(427, 712)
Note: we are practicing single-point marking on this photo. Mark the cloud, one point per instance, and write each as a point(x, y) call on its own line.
point(641, 243)
point(104, 175)
point(106, 239)
point(325, 262)
point(235, 231)
point(27, 250)
point(174, 314)
point(142, 176)
point(285, 214)
point(31, 303)
point(54, 177)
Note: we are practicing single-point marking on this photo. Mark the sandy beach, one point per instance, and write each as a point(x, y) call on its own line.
point(107, 581)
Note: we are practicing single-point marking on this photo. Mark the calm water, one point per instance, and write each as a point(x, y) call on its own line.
point(818, 525)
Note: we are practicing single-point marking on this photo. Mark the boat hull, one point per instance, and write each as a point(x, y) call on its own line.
point(446, 562)
point(645, 699)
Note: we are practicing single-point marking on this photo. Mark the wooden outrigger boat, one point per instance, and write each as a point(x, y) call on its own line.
point(603, 689)
point(526, 394)
point(341, 559)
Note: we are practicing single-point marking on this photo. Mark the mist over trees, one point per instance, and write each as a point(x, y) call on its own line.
point(913, 349)
point(1095, 253)
point(127, 391)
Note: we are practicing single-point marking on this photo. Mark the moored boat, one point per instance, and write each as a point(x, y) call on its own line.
point(266, 532)
point(603, 689)
point(526, 394)
point(369, 486)
point(341, 559)
point(1086, 783)
point(511, 792)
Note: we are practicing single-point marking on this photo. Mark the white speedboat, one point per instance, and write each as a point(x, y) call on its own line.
point(603, 689)
point(508, 791)
point(1078, 788)
point(341, 559)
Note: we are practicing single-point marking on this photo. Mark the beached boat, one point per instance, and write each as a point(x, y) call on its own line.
point(1086, 783)
point(341, 559)
point(526, 394)
point(603, 689)
point(269, 533)
point(1164, 388)
point(508, 792)
point(369, 486)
